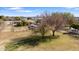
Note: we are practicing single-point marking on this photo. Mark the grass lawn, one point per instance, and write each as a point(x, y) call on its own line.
point(62, 42)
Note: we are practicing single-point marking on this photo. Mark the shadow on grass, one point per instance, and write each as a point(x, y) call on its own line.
point(74, 35)
point(30, 41)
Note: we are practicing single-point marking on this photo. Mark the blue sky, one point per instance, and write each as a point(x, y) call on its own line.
point(33, 11)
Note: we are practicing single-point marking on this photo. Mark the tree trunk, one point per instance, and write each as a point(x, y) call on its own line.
point(53, 33)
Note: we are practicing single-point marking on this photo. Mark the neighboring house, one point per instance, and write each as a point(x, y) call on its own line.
point(10, 23)
point(8, 26)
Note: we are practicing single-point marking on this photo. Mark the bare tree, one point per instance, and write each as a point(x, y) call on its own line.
point(42, 29)
point(54, 21)
point(42, 26)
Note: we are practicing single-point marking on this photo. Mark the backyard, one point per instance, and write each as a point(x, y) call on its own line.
point(44, 32)
point(26, 41)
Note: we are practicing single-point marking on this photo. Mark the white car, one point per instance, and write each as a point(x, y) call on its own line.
point(73, 31)
point(32, 26)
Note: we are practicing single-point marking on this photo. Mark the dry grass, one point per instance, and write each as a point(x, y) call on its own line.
point(6, 37)
point(63, 43)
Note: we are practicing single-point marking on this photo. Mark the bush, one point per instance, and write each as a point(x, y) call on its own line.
point(22, 23)
point(76, 26)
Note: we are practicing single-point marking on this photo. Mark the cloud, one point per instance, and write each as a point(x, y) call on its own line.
point(23, 10)
point(15, 8)
point(74, 8)
point(70, 7)
point(19, 9)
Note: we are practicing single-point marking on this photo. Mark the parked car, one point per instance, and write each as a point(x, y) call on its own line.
point(73, 31)
point(32, 26)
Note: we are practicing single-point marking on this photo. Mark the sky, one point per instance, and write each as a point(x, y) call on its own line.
point(33, 11)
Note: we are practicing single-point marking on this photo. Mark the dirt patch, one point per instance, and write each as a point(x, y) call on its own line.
point(5, 37)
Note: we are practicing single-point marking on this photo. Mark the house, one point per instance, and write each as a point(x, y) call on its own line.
point(8, 25)
point(10, 22)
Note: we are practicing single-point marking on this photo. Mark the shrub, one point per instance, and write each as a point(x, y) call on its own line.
point(76, 26)
point(22, 23)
